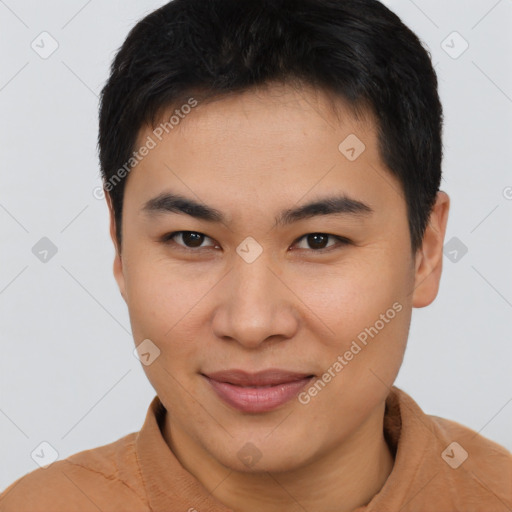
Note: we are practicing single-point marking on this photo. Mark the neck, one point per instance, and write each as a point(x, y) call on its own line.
point(343, 478)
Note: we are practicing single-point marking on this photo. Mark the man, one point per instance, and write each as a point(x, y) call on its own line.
point(272, 172)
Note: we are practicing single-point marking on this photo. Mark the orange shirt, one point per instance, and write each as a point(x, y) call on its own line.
point(140, 473)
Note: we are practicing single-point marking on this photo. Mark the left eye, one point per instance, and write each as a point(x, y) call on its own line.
point(194, 240)
point(318, 241)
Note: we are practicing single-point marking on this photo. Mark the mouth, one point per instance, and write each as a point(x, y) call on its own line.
point(257, 392)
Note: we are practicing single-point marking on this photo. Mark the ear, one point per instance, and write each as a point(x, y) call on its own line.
point(118, 262)
point(429, 258)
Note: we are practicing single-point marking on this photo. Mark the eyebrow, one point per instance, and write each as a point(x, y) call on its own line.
point(167, 202)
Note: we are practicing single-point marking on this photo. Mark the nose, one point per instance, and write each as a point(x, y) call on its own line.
point(254, 305)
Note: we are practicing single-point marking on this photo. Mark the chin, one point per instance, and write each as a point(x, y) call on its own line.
point(262, 457)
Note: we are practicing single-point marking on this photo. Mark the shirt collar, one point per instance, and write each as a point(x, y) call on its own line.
point(408, 431)
point(166, 481)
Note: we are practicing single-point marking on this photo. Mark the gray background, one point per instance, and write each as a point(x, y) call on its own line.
point(68, 375)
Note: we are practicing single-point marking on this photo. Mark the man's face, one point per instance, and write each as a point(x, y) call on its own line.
point(249, 293)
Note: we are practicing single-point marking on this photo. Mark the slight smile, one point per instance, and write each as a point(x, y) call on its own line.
point(257, 392)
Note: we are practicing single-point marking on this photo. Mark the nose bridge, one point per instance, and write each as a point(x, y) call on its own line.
point(253, 282)
point(255, 306)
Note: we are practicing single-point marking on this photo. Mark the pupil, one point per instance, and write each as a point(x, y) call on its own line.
point(316, 239)
point(194, 238)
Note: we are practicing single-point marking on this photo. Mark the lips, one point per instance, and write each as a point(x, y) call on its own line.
point(257, 392)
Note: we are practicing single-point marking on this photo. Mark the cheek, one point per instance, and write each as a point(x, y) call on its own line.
point(165, 305)
point(349, 297)
point(367, 307)
point(161, 308)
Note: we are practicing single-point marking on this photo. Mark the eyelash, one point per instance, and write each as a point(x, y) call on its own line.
point(168, 239)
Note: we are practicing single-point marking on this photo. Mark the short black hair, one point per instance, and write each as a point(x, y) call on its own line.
point(358, 50)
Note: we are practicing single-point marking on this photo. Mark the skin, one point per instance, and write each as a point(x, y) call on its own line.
point(295, 307)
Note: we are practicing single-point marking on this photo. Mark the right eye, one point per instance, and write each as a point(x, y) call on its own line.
point(187, 240)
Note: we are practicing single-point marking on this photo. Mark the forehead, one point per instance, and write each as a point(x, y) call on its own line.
point(268, 110)
point(265, 144)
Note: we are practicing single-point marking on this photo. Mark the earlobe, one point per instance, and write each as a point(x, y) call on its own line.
point(429, 257)
point(118, 274)
point(118, 262)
